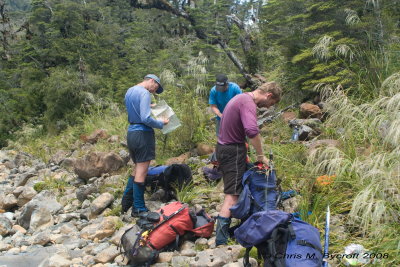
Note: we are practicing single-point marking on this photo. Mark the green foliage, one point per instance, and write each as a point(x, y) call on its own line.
point(102, 47)
point(193, 191)
point(320, 25)
point(119, 224)
point(304, 55)
point(369, 171)
point(299, 37)
point(51, 183)
point(115, 211)
point(200, 247)
point(41, 144)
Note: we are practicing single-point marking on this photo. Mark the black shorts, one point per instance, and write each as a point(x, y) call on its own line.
point(232, 163)
point(141, 145)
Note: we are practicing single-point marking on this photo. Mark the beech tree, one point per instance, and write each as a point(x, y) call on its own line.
point(214, 22)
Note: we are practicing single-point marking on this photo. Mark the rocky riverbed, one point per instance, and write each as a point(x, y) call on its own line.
point(52, 216)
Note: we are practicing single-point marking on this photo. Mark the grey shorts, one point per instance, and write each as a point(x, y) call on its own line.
point(141, 145)
point(232, 163)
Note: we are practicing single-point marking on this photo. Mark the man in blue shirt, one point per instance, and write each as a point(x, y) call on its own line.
point(220, 94)
point(141, 140)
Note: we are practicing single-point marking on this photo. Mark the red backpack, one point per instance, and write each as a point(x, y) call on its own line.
point(175, 219)
point(149, 236)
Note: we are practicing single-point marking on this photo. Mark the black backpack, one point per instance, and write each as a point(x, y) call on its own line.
point(169, 178)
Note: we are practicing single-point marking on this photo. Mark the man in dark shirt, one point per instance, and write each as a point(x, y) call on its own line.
point(240, 121)
point(220, 94)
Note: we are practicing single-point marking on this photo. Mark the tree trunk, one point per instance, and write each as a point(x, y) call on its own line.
point(5, 31)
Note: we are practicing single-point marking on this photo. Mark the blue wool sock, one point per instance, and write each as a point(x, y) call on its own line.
point(127, 197)
point(222, 231)
point(138, 197)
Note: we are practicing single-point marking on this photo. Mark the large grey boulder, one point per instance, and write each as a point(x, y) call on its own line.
point(116, 238)
point(59, 157)
point(41, 238)
point(312, 123)
point(216, 257)
point(292, 204)
point(107, 255)
point(305, 132)
point(308, 110)
point(124, 155)
point(165, 257)
point(46, 202)
point(8, 202)
point(178, 261)
point(5, 226)
point(37, 257)
point(253, 263)
point(23, 178)
point(97, 163)
point(26, 195)
point(313, 145)
point(95, 136)
point(59, 261)
point(101, 203)
point(100, 228)
point(41, 218)
point(22, 158)
point(84, 190)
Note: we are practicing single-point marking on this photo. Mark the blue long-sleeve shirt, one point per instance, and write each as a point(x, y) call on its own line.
point(137, 102)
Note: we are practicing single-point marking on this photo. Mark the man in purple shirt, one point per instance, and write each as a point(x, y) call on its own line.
point(240, 121)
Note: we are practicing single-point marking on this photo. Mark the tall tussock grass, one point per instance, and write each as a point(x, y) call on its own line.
point(33, 140)
point(368, 162)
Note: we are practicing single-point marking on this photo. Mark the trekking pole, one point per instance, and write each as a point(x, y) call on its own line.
point(326, 245)
point(271, 158)
point(164, 143)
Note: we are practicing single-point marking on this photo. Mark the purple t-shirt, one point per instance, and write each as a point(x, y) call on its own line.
point(239, 120)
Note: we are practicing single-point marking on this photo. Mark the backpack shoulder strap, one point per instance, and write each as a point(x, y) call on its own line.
point(274, 249)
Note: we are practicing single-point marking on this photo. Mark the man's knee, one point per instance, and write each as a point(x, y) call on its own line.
point(141, 171)
point(231, 199)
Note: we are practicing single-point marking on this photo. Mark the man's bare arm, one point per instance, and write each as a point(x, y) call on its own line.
point(216, 111)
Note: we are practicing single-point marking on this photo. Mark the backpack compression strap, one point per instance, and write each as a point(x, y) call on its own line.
point(308, 244)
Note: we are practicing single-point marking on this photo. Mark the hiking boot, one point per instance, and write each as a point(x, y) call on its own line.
point(222, 231)
point(139, 213)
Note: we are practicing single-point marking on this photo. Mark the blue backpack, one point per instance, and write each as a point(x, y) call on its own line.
point(259, 193)
point(281, 239)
